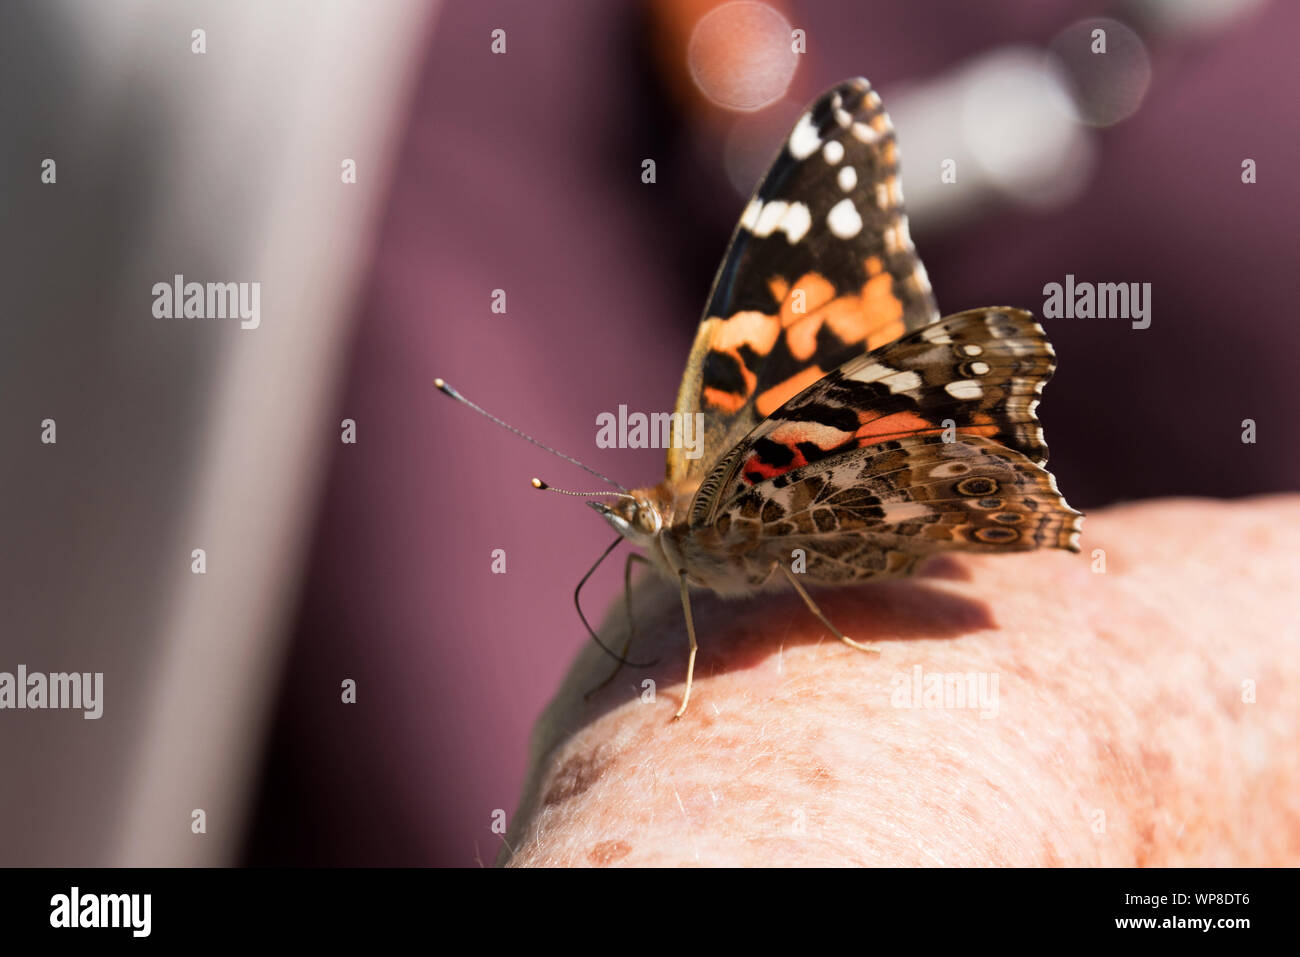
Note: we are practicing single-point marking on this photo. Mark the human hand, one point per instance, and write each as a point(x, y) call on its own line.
point(1141, 715)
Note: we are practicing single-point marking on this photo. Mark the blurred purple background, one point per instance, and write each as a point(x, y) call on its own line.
point(522, 172)
point(519, 171)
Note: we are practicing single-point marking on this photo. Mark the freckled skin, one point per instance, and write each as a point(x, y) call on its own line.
point(1121, 736)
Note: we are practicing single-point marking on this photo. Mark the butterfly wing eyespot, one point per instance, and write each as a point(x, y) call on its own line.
point(874, 511)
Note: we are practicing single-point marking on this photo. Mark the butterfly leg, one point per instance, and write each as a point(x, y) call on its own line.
point(690, 633)
point(631, 621)
point(812, 606)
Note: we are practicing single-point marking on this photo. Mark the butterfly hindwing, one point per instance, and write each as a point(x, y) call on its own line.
point(978, 372)
point(820, 269)
point(876, 511)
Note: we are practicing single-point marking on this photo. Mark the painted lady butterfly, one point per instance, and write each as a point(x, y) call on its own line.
point(849, 431)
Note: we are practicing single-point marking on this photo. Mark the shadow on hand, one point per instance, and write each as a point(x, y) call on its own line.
point(739, 633)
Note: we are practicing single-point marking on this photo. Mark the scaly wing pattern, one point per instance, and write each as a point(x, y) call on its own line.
point(820, 269)
point(876, 511)
point(974, 373)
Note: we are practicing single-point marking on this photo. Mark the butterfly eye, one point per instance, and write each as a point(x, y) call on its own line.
point(647, 518)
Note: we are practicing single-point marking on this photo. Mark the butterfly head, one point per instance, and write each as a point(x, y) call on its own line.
point(636, 517)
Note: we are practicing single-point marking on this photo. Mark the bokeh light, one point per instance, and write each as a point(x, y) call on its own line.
point(1107, 86)
point(741, 55)
point(1015, 118)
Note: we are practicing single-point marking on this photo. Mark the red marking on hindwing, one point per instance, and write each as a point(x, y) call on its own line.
point(756, 466)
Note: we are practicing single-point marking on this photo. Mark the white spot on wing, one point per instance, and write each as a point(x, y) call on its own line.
point(848, 178)
point(865, 133)
point(897, 238)
point(979, 368)
point(833, 152)
point(903, 382)
point(843, 219)
point(871, 372)
point(905, 512)
point(796, 222)
point(769, 216)
point(964, 389)
point(764, 219)
point(804, 141)
point(896, 380)
point(922, 277)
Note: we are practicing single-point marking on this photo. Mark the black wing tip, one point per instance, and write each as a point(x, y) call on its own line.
point(855, 95)
point(849, 84)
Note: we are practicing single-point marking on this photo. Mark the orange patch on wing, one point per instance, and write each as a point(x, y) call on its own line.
point(778, 287)
point(882, 309)
point(728, 402)
point(820, 306)
point(882, 428)
point(884, 335)
point(845, 315)
point(898, 425)
point(756, 330)
point(817, 291)
point(781, 393)
point(802, 338)
point(879, 303)
point(751, 328)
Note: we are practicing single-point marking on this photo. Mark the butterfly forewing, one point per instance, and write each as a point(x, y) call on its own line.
point(820, 269)
point(978, 372)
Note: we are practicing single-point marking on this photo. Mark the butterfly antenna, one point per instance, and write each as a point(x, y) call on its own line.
point(446, 389)
point(545, 487)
